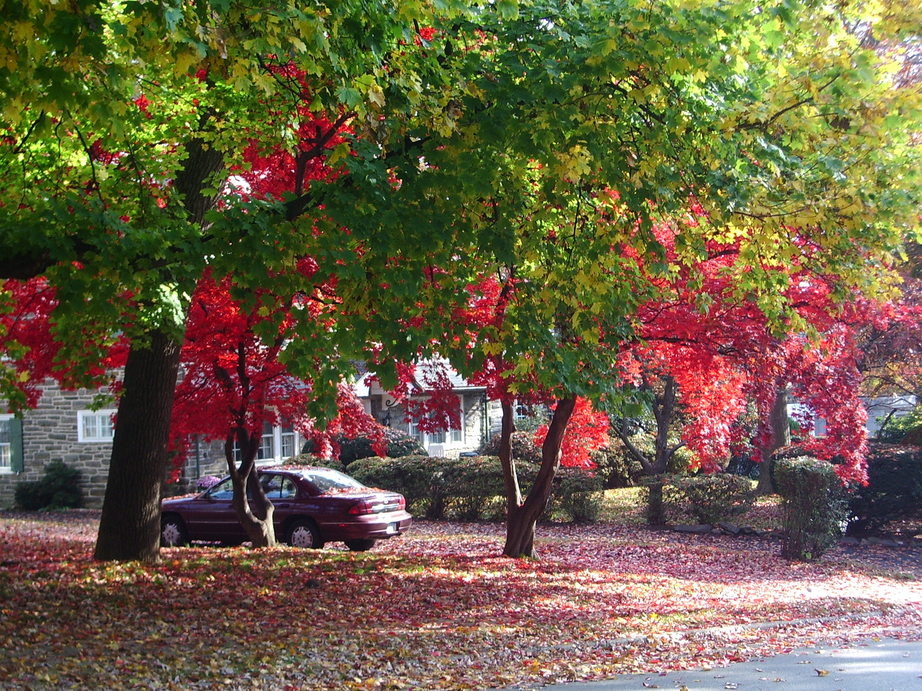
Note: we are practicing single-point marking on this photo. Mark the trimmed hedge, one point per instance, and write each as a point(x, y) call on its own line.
point(523, 447)
point(472, 488)
point(709, 498)
point(58, 489)
point(716, 497)
point(310, 460)
point(399, 445)
point(814, 506)
point(893, 492)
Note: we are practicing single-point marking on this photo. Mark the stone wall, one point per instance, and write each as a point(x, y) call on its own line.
point(50, 432)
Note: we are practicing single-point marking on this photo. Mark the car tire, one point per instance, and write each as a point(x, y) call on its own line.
point(360, 545)
point(303, 533)
point(173, 532)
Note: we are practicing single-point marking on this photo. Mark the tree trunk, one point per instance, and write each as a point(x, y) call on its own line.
point(780, 436)
point(522, 518)
point(254, 510)
point(656, 507)
point(129, 528)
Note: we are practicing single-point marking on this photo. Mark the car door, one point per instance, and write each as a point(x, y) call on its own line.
point(282, 491)
point(212, 517)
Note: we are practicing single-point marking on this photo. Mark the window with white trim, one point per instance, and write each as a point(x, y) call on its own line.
point(455, 435)
point(6, 444)
point(95, 426)
point(11, 456)
point(277, 443)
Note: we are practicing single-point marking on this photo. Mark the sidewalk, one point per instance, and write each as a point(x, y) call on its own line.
point(881, 665)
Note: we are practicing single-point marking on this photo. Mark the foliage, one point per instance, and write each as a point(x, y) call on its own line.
point(893, 492)
point(524, 447)
point(466, 487)
point(132, 130)
point(398, 443)
point(903, 429)
point(59, 488)
point(814, 506)
point(624, 600)
point(716, 497)
point(307, 459)
point(616, 466)
point(587, 430)
point(578, 495)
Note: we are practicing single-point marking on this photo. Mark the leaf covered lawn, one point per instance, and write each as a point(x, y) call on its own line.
point(437, 608)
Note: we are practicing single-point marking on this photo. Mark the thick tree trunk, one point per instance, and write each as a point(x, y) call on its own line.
point(780, 436)
point(522, 518)
point(130, 525)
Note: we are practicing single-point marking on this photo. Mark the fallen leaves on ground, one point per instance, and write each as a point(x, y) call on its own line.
point(435, 609)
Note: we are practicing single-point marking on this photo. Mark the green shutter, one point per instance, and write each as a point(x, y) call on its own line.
point(16, 445)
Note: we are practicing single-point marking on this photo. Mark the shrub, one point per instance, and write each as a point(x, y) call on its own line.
point(58, 489)
point(716, 497)
point(903, 429)
point(399, 445)
point(615, 467)
point(409, 475)
point(468, 488)
point(813, 506)
point(309, 459)
point(893, 492)
point(578, 494)
point(523, 447)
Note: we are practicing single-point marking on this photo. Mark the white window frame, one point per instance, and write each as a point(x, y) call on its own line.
point(272, 440)
point(6, 450)
point(449, 438)
point(82, 415)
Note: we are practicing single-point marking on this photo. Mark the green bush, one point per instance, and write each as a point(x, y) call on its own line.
point(309, 459)
point(578, 495)
point(59, 488)
point(813, 505)
point(523, 447)
point(470, 488)
point(399, 445)
point(893, 492)
point(716, 497)
point(616, 467)
point(905, 429)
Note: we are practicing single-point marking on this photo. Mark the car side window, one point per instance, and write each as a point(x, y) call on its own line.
point(223, 490)
point(278, 487)
point(289, 490)
point(272, 485)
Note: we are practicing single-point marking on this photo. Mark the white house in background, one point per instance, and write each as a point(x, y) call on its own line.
point(479, 417)
point(879, 409)
point(882, 408)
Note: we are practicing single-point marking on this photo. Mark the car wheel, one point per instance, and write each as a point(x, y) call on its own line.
point(360, 545)
point(303, 533)
point(173, 532)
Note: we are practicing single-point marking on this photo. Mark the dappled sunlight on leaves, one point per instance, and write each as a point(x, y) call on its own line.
point(437, 608)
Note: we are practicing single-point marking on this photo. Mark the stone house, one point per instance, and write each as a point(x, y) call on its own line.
point(65, 427)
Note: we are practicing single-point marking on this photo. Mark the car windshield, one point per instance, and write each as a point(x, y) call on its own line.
point(330, 480)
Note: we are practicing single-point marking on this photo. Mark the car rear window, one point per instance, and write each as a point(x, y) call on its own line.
point(330, 480)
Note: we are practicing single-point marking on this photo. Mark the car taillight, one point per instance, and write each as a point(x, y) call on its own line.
point(364, 506)
point(360, 508)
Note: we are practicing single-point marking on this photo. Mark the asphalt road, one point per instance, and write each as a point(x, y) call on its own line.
point(882, 665)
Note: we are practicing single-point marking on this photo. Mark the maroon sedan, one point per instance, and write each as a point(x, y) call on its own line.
point(312, 506)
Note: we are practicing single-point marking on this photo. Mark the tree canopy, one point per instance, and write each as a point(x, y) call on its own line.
point(540, 142)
